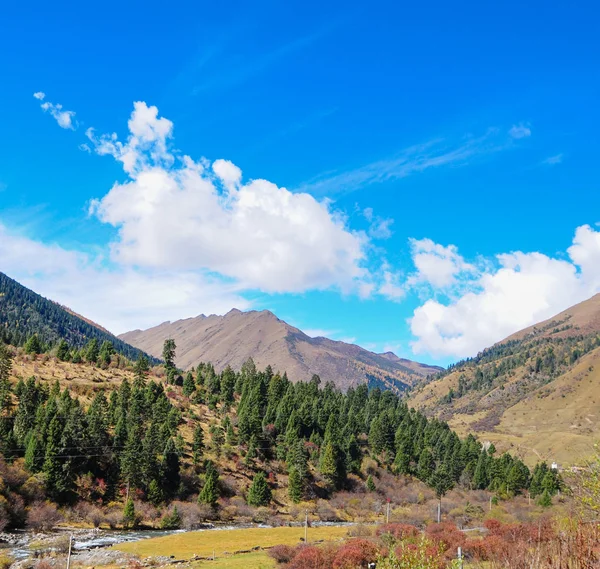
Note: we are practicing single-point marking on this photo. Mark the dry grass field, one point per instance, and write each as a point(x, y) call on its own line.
point(224, 543)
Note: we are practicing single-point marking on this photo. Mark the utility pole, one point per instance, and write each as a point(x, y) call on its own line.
point(69, 555)
point(306, 526)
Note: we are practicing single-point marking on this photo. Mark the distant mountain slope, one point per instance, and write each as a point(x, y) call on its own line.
point(24, 313)
point(538, 390)
point(233, 338)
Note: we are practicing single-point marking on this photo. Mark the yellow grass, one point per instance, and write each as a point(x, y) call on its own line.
point(225, 542)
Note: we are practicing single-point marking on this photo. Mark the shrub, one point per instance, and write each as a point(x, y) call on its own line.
point(447, 536)
point(43, 516)
point(6, 561)
point(311, 557)
point(355, 553)
point(282, 553)
point(398, 531)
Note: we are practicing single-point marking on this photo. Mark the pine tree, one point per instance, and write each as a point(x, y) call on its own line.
point(33, 345)
point(189, 385)
point(197, 445)
point(168, 354)
point(170, 469)
point(295, 486)
point(259, 493)
point(210, 491)
point(129, 517)
point(331, 465)
point(545, 500)
point(172, 520)
point(155, 493)
point(141, 368)
point(106, 352)
point(63, 352)
point(370, 484)
point(92, 351)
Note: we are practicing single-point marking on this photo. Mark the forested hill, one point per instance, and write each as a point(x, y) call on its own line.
point(209, 437)
point(536, 391)
point(24, 313)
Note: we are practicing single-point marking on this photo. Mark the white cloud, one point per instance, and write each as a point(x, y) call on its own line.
point(65, 119)
point(413, 160)
point(119, 299)
point(521, 130)
point(391, 286)
point(379, 227)
point(436, 264)
point(180, 214)
point(553, 160)
point(525, 288)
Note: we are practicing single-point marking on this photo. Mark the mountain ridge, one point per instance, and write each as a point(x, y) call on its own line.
point(24, 312)
point(234, 337)
point(536, 390)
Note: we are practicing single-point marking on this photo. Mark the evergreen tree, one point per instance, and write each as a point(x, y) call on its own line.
point(172, 520)
point(295, 486)
point(189, 385)
point(168, 354)
point(210, 491)
point(197, 445)
point(63, 352)
point(92, 351)
point(545, 500)
point(155, 493)
point(259, 493)
point(370, 484)
point(141, 368)
point(170, 469)
point(129, 517)
point(106, 352)
point(33, 345)
point(332, 465)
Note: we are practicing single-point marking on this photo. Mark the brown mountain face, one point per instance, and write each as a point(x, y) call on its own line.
point(536, 393)
point(233, 338)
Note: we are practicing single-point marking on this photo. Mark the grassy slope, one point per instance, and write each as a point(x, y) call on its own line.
point(558, 421)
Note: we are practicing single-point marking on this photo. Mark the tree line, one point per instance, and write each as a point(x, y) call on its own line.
point(135, 439)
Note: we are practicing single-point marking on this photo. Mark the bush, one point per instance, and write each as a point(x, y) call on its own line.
point(311, 557)
point(447, 536)
point(282, 553)
point(43, 516)
point(355, 553)
point(398, 531)
point(6, 561)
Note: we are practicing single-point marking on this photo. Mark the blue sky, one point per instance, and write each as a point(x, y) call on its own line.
point(441, 162)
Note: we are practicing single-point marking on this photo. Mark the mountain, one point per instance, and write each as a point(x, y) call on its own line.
point(24, 313)
point(537, 391)
point(233, 338)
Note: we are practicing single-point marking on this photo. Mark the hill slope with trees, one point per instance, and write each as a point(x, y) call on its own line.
point(24, 313)
point(222, 442)
point(535, 393)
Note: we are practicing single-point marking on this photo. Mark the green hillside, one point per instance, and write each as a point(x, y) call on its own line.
point(24, 313)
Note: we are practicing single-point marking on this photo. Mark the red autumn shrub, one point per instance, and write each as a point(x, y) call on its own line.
point(309, 557)
point(398, 531)
point(447, 536)
point(355, 554)
point(283, 553)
